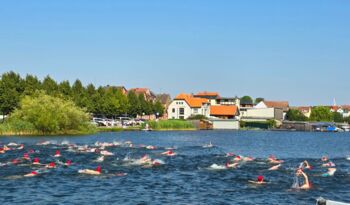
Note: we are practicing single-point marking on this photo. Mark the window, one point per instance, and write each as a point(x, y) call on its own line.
point(195, 111)
point(182, 111)
point(173, 110)
point(181, 117)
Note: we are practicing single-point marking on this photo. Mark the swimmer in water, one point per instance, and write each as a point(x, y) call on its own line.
point(273, 160)
point(91, 172)
point(2, 151)
point(32, 174)
point(150, 147)
point(26, 156)
point(36, 161)
point(276, 167)
point(229, 165)
point(306, 165)
point(57, 154)
point(169, 153)
point(306, 184)
point(330, 172)
point(68, 163)
point(259, 181)
point(52, 165)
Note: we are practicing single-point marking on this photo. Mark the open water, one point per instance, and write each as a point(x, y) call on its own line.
point(183, 179)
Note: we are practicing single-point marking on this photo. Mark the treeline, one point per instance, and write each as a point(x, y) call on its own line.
point(318, 114)
point(107, 101)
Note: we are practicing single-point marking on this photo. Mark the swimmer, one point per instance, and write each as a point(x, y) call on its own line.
point(330, 172)
point(120, 174)
point(6, 148)
point(2, 151)
point(106, 153)
point(259, 181)
point(26, 156)
point(208, 145)
point(52, 165)
point(273, 160)
point(237, 158)
point(91, 172)
point(169, 153)
point(329, 164)
point(150, 147)
point(100, 159)
point(32, 174)
point(306, 184)
point(21, 147)
point(306, 165)
point(276, 167)
point(233, 165)
point(57, 154)
point(68, 163)
point(248, 159)
point(12, 144)
point(324, 159)
point(36, 161)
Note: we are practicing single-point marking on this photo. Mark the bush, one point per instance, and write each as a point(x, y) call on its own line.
point(45, 114)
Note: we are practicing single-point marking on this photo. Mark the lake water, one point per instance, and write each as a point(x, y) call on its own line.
point(184, 178)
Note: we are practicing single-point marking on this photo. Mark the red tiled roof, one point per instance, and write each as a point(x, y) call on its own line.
point(304, 109)
point(223, 110)
point(191, 101)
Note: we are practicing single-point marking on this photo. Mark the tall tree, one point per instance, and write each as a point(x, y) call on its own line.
point(321, 113)
point(134, 104)
point(31, 85)
point(246, 100)
point(11, 88)
point(65, 89)
point(50, 86)
point(295, 115)
point(257, 100)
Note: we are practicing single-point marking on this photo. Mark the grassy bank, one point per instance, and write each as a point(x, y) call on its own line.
point(169, 125)
point(117, 129)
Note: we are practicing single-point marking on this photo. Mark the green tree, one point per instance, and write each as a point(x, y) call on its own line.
point(31, 85)
point(50, 115)
point(158, 108)
point(321, 113)
point(246, 100)
point(65, 89)
point(11, 88)
point(134, 104)
point(337, 117)
point(295, 115)
point(257, 100)
point(50, 86)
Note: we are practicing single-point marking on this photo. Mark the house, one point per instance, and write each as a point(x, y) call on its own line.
point(284, 105)
point(186, 105)
point(224, 111)
point(149, 95)
point(305, 110)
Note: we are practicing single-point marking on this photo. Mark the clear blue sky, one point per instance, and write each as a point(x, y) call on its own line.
point(281, 50)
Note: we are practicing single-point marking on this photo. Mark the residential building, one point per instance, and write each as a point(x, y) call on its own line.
point(224, 111)
point(284, 105)
point(149, 95)
point(261, 113)
point(186, 105)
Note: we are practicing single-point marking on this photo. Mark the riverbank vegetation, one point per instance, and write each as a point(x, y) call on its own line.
point(318, 114)
point(41, 114)
point(171, 125)
point(103, 100)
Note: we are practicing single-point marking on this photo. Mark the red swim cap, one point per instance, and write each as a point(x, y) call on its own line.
point(69, 162)
point(34, 172)
point(52, 164)
point(26, 155)
point(58, 152)
point(260, 178)
point(98, 169)
point(36, 160)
